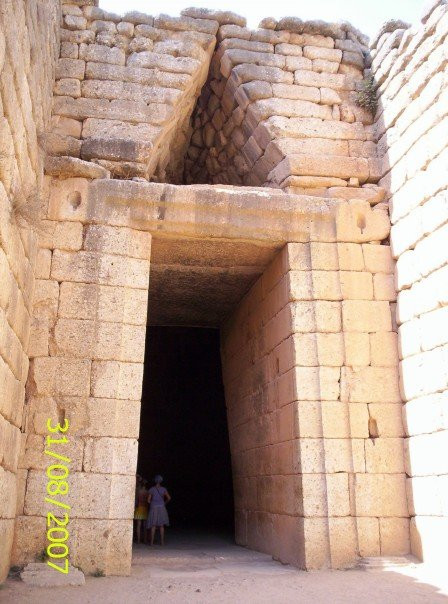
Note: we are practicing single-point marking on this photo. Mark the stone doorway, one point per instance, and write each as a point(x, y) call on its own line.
point(183, 428)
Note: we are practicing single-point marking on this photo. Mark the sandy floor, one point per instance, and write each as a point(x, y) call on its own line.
point(213, 570)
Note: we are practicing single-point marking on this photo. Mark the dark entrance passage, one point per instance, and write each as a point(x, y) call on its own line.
point(183, 430)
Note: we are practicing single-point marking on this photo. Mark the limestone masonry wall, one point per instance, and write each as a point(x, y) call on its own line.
point(279, 110)
point(410, 66)
point(125, 89)
point(86, 364)
point(328, 464)
point(310, 369)
point(29, 34)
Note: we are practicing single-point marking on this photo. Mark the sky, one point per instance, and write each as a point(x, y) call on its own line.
point(366, 15)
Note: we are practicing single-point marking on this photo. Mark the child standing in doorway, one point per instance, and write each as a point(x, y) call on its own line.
point(141, 508)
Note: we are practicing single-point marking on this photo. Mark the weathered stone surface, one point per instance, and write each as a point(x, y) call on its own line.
point(73, 167)
point(70, 68)
point(222, 17)
point(102, 54)
point(152, 60)
point(310, 354)
point(115, 149)
point(148, 77)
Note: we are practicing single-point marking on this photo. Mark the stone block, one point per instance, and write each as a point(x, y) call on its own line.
point(73, 167)
point(150, 60)
point(34, 458)
point(344, 455)
point(433, 327)
point(90, 495)
point(384, 287)
point(357, 223)
point(384, 349)
point(8, 494)
point(66, 126)
point(69, 50)
point(322, 66)
point(357, 351)
point(319, 52)
point(120, 241)
point(85, 36)
point(89, 553)
point(422, 454)
point(74, 22)
point(330, 349)
point(394, 536)
point(328, 96)
point(104, 269)
point(335, 419)
point(39, 574)
point(359, 420)
point(317, 544)
point(350, 257)
point(101, 128)
point(104, 303)
point(325, 494)
point(222, 17)
point(423, 374)
point(384, 455)
point(426, 495)
point(98, 340)
point(112, 379)
point(116, 150)
point(250, 72)
point(370, 385)
point(30, 539)
point(324, 256)
point(110, 455)
point(60, 376)
point(343, 542)
point(207, 26)
point(388, 419)
point(366, 316)
point(68, 87)
point(6, 536)
point(326, 285)
point(68, 201)
point(70, 68)
point(98, 417)
point(102, 54)
point(61, 235)
point(320, 165)
point(308, 420)
point(337, 81)
point(372, 493)
point(425, 414)
point(356, 285)
point(368, 536)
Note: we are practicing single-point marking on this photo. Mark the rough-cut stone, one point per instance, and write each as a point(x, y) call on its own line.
point(73, 167)
point(39, 574)
point(314, 370)
point(222, 17)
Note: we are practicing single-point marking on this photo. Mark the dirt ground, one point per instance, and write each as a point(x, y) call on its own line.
point(210, 569)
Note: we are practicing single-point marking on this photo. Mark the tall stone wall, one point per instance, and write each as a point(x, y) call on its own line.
point(29, 34)
point(86, 365)
point(310, 369)
point(411, 69)
point(125, 89)
point(279, 110)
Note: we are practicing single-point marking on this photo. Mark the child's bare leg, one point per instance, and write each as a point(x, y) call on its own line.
point(162, 535)
point(139, 530)
point(153, 532)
